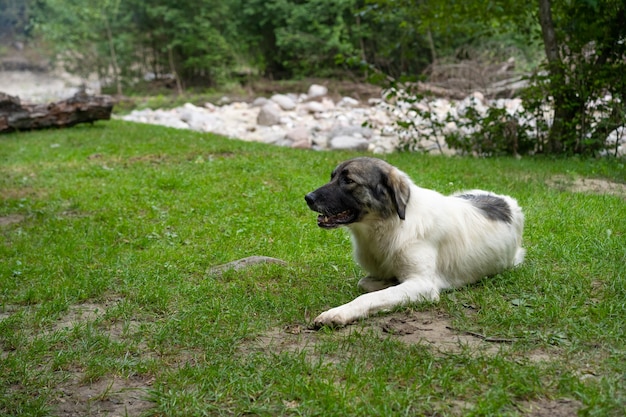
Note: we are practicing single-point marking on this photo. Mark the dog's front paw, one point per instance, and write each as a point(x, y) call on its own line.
point(335, 317)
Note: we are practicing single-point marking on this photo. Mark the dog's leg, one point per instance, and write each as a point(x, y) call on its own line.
point(410, 291)
point(371, 284)
point(519, 256)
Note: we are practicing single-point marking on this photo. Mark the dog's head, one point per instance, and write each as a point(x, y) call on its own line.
point(358, 189)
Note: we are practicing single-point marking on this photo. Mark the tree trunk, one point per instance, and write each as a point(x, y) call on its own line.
point(556, 75)
point(170, 58)
point(568, 106)
point(116, 71)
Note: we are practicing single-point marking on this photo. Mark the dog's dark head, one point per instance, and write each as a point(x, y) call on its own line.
point(360, 188)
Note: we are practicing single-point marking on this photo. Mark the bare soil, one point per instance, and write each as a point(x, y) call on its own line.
point(426, 328)
point(113, 396)
point(588, 185)
point(11, 219)
point(564, 407)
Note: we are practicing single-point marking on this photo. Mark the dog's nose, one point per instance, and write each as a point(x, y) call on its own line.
point(310, 198)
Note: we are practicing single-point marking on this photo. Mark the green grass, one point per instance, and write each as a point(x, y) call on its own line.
point(128, 218)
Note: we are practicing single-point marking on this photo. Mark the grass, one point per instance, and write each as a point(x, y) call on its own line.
point(108, 232)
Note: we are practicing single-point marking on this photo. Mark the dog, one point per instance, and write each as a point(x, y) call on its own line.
point(413, 242)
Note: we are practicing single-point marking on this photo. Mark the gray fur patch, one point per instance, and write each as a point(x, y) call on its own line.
point(493, 207)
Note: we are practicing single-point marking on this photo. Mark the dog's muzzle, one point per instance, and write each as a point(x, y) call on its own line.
point(326, 219)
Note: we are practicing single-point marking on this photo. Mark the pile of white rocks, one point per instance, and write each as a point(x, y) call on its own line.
point(315, 121)
point(309, 121)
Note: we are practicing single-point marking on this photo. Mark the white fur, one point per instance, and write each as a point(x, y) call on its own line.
point(444, 242)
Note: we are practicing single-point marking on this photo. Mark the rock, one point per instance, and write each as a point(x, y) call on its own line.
point(348, 102)
point(320, 142)
point(269, 115)
point(223, 100)
point(351, 131)
point(298, 134)
point(197, 118)
point(349, 143)
point(328, 103)
point(285, 102)
point(316, 90)
point(259, 102)
point(313, 107)
point(240, 264)
point(301, 144)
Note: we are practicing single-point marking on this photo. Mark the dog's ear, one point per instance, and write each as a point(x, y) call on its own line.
point(400, 191)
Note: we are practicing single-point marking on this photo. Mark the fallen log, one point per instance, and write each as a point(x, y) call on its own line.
point(81, 108)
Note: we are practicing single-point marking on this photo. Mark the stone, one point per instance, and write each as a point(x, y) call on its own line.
point(316, 90)
point(320, 142)
point(313, 107)
point(298, 134)
point(351, 131)
point(349, 143)
point(348, 102)
point(269, 115)
point(301, 144)
point(259, 102)
point(285, 102)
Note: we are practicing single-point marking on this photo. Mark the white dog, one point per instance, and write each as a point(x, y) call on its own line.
point(414, 242)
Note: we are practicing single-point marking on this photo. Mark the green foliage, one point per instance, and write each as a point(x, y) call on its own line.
point(129, 38)
point(304, 37)
point(392, 39)
point(585, 83)
point(14, 17)
point(496, 133)
point(203, 42)
point(197, 33)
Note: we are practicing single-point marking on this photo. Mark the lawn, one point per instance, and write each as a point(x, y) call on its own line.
point(110, 303)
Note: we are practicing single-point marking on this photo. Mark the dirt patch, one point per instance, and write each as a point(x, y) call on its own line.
point(11, 219)
point(110, 395)
point(82, 313)
point(106, 397)
point(89, 312)
point(550, 408)
point(588, 185)
point(7, 310)
point(20, 193)
point(430, 328)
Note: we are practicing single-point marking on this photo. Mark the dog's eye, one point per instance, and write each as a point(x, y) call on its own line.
point(347, 180)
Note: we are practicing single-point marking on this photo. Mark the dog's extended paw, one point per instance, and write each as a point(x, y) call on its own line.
point(335, 317)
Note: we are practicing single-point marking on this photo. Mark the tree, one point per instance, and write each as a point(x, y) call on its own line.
point(585, 47)
point(294, 38)
point(586, 62)
point(82, 36)
point(191, 39)
point(14, 15)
